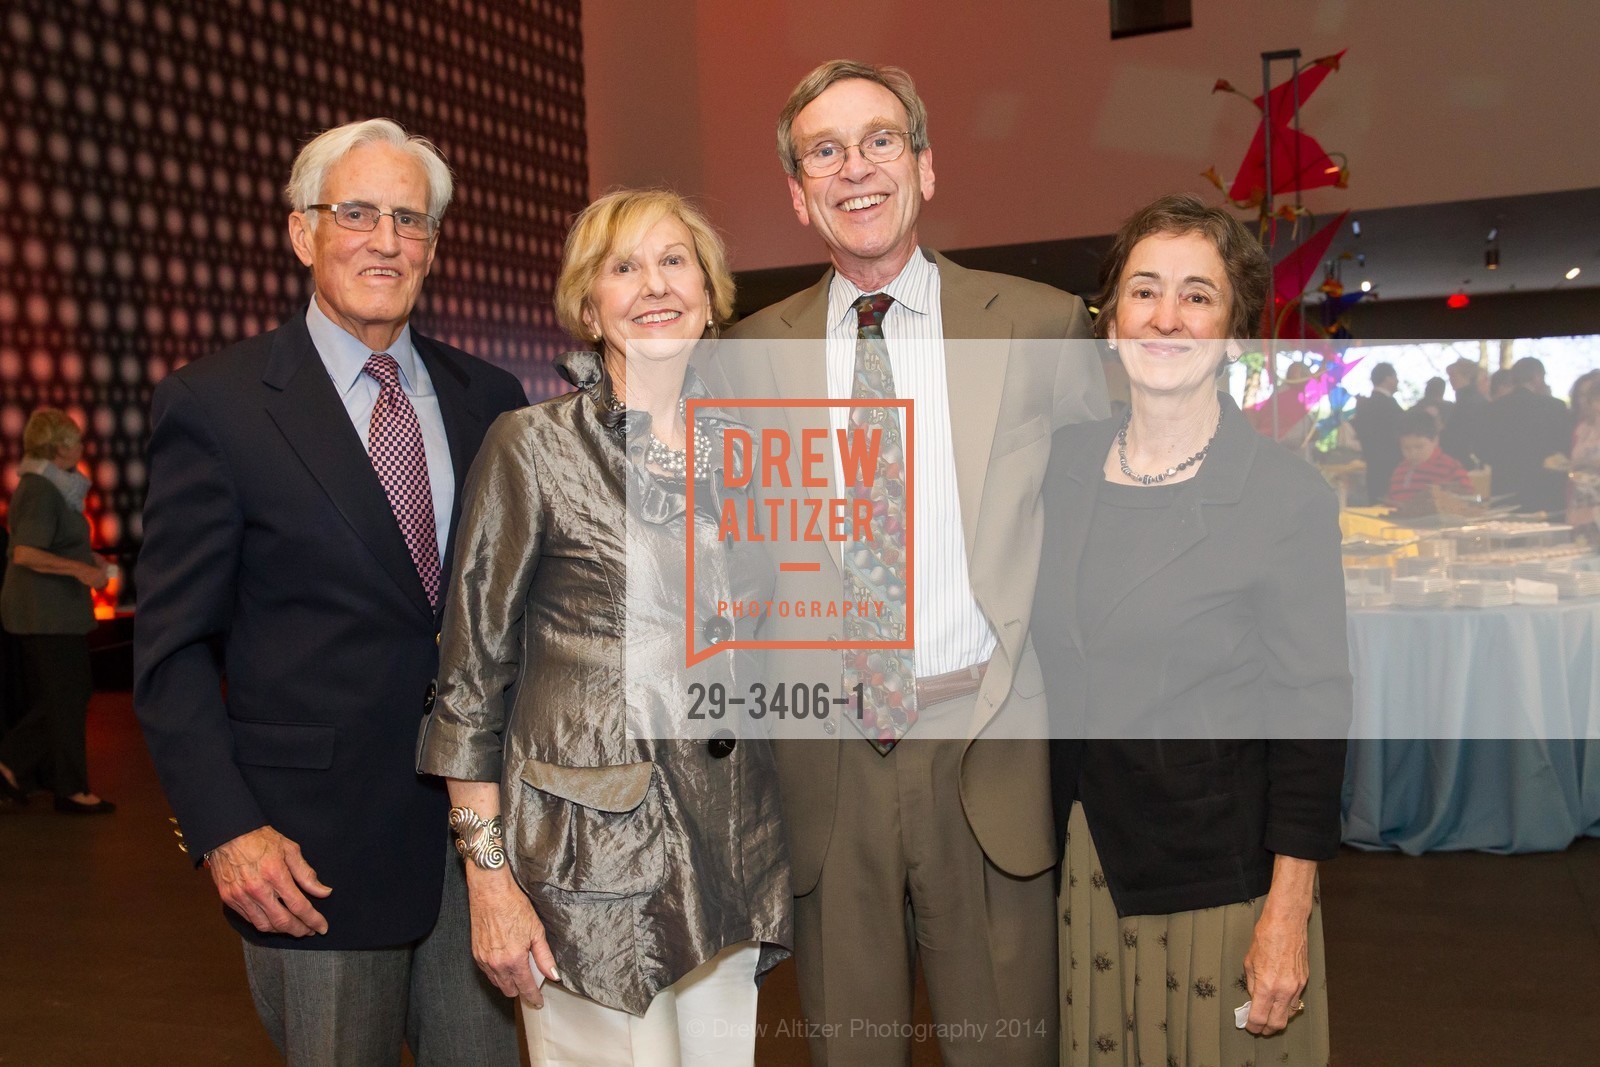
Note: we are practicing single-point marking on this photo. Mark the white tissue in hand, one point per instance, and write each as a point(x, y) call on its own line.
point(1241, 1015)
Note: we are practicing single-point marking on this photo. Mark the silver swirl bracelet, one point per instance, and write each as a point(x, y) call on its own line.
point(477, 839)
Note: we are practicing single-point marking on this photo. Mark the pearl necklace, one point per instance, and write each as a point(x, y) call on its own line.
point(674, 461)
point(1157, 479)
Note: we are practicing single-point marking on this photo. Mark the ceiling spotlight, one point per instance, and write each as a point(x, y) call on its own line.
point(1494, 232)
point(1366, 287)
point(1491, 257)
point(1573, 273)
point(1355, 227)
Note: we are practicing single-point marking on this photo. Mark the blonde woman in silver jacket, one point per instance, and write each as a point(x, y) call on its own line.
point(641, 885)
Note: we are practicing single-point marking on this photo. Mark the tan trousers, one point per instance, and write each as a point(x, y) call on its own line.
point(904, 879)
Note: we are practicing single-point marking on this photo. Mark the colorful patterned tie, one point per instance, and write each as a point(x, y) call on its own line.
point(874, 570)
point(394, 443)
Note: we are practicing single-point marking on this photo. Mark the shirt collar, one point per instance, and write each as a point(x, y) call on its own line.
point(345, 356)
point(912, 289)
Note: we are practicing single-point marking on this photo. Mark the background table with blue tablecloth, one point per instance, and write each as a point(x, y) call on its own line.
point(1474, 728)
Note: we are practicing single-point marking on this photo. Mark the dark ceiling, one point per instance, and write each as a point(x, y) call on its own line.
point(1411, 253)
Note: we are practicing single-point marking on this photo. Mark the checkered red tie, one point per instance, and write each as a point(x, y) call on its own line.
point(394, 443)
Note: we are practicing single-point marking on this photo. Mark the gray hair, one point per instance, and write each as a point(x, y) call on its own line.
point(327, 148)
point(830, 73)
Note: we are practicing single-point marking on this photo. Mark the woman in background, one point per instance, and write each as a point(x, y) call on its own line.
point(1583, 490)
point(1190, 622)
point(47, 606)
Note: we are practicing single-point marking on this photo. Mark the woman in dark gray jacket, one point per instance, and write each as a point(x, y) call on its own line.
point(47, 606)
point(1191, 627)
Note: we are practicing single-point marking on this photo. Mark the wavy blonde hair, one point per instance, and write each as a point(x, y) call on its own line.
point(616, 223)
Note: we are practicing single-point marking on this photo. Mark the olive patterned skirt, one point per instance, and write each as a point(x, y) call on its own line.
point(1160, 990)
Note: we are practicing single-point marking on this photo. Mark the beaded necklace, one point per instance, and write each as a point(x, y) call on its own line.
point(674, 461)
point(1157, 479)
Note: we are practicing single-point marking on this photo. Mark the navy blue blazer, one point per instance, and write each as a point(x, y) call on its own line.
point(283, 644)
point(1202, 723)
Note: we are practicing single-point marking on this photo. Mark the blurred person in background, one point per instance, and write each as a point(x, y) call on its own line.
point(1466, 382)
point(1464, 428)
point(1286, 405)
point(46, 603)
point(1583, 489)
point(1423, 464)
point(1433, 401)
point(1520, 438)
point(1377, 425)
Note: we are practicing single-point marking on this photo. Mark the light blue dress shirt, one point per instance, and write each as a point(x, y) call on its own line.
point(345, 357)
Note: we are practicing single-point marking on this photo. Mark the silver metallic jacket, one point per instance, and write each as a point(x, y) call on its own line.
point(562, 677)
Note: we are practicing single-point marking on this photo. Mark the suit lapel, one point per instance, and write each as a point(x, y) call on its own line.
point(307, 411)
point(975, 384)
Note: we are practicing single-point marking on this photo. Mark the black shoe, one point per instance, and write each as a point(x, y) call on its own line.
point(78, 807)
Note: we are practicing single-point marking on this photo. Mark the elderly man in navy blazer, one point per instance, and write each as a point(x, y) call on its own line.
point(303, 489)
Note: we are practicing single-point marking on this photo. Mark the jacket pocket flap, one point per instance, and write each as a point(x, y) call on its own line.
point(303, 745)
point(617, 789)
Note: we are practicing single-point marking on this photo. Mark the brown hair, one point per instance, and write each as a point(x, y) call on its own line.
point(47, 431)
point(820, 80)
point(617, 221)
point(1249, 272)
point(1419, 422)
point(1582, 387)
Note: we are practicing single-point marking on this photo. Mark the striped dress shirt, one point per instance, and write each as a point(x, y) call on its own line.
point(951, 630)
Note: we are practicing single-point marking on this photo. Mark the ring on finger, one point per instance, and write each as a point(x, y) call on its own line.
point(1300, 1006)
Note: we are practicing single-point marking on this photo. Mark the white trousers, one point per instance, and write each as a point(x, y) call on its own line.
point(705, 1019)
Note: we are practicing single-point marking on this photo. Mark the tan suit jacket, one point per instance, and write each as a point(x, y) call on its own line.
point(1004, 406)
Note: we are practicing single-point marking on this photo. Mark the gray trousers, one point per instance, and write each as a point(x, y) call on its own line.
point(357, 1007)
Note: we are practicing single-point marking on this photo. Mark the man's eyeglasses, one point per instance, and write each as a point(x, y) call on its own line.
point(827, 159)
point(363, 218)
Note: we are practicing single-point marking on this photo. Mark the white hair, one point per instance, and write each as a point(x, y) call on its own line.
point(327, 148)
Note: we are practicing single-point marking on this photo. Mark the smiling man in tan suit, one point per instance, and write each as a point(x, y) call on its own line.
point(938, 847)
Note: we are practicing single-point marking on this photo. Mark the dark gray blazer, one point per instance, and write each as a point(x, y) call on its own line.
point(1202, 723)
point(33, 602)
